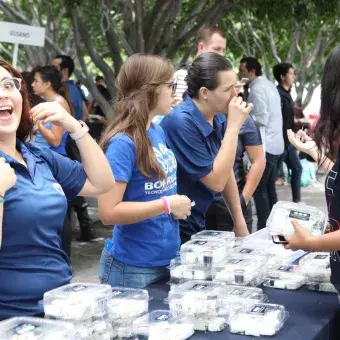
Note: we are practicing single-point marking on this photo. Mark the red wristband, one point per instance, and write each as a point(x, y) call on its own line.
point(166, 205)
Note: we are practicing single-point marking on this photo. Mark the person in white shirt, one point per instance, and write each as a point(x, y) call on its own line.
point(266, 100)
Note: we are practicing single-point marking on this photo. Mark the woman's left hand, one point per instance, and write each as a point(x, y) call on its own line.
point(54, 113)
point(301, 239)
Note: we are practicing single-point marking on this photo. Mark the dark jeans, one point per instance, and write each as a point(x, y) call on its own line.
point(294, 165)
point(279, 167)
point(218, 216)
point(265, 194)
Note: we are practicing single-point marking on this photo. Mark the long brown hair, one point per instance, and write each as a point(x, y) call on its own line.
point(137, 93)
point(26, 124)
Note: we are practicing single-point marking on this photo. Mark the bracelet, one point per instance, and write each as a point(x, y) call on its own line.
point(166, 205)
point(81, 133)
point(2, 199)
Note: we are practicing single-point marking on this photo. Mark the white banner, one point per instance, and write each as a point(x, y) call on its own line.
point(22, 34)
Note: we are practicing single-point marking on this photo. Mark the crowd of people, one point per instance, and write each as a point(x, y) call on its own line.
point(185, 151)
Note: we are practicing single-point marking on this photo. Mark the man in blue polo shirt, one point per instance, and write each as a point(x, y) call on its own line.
point(65, 65)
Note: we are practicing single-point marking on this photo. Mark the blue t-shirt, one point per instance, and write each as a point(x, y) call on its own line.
point(31, 259)
point(41, 141)
point(76, 99)
point(153, 242)
point(195, 144)
point(249, 136)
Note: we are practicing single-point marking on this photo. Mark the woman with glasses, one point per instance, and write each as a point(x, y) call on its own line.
point(203, 144)
point(143, 207)
point(47, 84)
point(35, 184)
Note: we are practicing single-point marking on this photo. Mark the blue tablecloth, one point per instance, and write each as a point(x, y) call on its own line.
point(313, 315)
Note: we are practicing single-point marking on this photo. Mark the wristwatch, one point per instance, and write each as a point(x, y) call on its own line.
point(81, 133)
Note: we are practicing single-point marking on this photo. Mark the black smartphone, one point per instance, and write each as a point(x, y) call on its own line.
point(279, 239)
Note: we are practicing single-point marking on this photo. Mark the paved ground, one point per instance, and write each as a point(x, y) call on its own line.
point(85, 256)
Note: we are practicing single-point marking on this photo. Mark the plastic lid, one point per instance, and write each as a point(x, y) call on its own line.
point(248, 251)
point(36, 328)
point(215, 235)
point(310, 218)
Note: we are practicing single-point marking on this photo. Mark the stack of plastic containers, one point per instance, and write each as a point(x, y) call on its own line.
point(240, 270)
point(200, 300)
point(180, 273)
point(284, 277)
point(163, 325)
point(316, 268)
point(310, 218)
point(85, 306)
point(26, 328)
point(126, 305)
point(258, 319)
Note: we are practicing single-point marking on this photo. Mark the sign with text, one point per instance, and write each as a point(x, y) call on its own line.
point(22, 34)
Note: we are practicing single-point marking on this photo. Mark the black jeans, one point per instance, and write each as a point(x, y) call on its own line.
point(294, 165)
point(218, 216)
point(265, 194)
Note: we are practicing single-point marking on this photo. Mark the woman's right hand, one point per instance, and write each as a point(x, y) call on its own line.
point(180, 206)
point(238, 111)
point(303, 142)
point(7, 176)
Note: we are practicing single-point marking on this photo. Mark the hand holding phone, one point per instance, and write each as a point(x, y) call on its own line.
point(279, 239)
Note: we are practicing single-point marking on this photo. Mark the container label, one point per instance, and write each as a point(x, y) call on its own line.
point(297, 215)
point(199, 287)
point(259, 310)
point(200, 243)
point(236, 292)
point(77, 288)
point(210, 233)
point(163, 317)
point(287, 269)
point(320, 257)
point(235, 261)
point(24, 328)
point(246, 251)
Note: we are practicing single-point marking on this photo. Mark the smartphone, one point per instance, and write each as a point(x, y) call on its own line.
point(279, 239)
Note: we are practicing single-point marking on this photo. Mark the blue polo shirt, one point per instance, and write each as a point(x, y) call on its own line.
point(153, 242)
point(195, 144)
point(31, 259)
point(76, 99)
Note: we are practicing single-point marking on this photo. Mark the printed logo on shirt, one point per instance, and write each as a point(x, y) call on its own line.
point(167, 161)
point(58, 187)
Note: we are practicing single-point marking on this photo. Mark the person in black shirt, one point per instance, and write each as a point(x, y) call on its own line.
point(326, 139)
point(284, 75)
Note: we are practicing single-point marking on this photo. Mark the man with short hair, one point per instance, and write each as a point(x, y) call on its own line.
point(285, 76)
point(208, 39)
point(65, 65)
point(268, 118)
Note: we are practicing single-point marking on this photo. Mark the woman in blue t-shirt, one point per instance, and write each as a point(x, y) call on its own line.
point(34, 186)
point(47, 84)
point(143, 207)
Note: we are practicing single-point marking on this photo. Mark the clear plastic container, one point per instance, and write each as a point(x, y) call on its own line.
point(310, 218)
point(316, 267)
point(180, 273)
point(195, 298)
point(258, 320)
point(28, 328)
point(227, 236)
point(235, 298)
point(203, 253)
point(326, 287)
point(284, 277)
point(240, 271)
point(77, 301)
point(98, 326)
point(128, 303)
point(210, 323)
point(162, 325)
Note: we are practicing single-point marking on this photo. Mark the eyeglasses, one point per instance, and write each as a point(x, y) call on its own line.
point(173, 84)
point(10, 84)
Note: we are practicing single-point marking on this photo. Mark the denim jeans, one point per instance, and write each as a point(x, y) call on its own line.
point(265, 194)
point(279, 167)
point(118, 274)
point(294, 165)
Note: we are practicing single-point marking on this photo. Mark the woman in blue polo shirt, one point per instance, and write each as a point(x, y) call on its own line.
point(34, 186)
point(203, 146)
point(143, 206)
